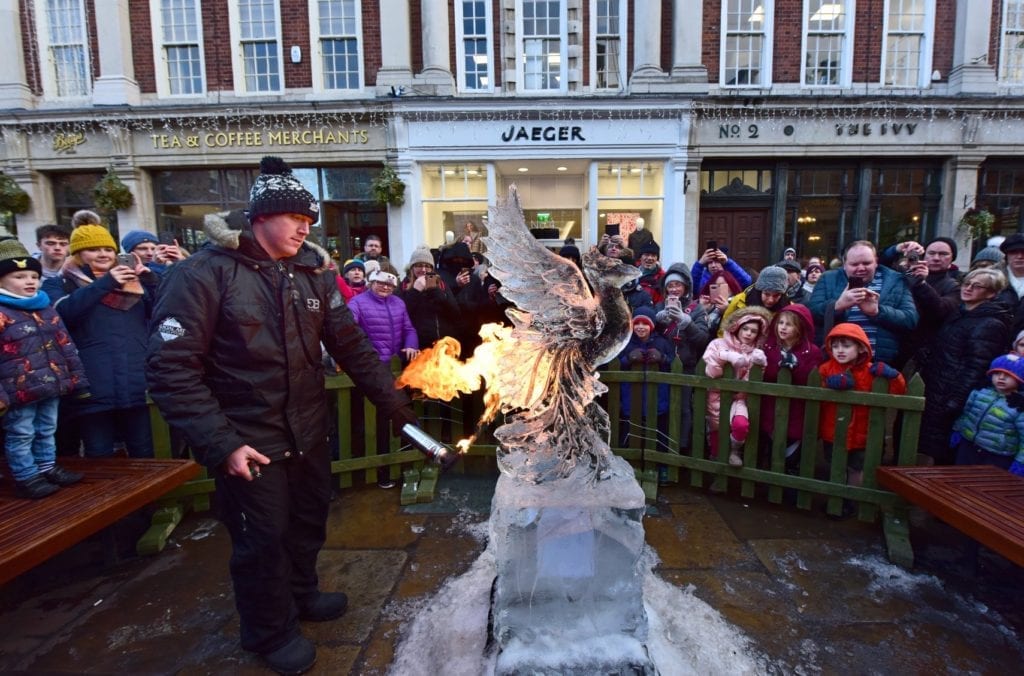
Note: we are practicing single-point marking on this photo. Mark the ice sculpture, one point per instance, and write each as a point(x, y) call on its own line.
point(565, 524)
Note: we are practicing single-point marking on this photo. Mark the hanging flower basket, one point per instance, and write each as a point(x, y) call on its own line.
point(12, 197)
point(111, 194)
point(976, 223)
point(387, 188)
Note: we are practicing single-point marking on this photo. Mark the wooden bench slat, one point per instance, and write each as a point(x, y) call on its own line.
point(32, 531)
point(986, 503)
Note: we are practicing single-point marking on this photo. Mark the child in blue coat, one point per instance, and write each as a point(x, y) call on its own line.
point(38, 364)
point(990, 431)
point(646, 351)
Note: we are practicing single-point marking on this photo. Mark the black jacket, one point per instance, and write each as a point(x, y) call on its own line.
point(235, 351)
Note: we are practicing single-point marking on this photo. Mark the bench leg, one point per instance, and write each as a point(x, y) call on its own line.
point(896, 526)
point(161, 526)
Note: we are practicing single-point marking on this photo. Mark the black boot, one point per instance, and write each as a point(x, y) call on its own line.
point(323, 607)
point(62, 477)
point(35, 488)
point(295, 657)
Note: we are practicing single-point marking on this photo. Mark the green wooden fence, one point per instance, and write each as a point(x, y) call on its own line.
point(452, 421)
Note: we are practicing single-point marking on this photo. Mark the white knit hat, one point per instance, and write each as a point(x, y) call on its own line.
point(421, 254)
point(385, 277)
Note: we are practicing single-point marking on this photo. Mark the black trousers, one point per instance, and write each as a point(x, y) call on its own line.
point(278, 523)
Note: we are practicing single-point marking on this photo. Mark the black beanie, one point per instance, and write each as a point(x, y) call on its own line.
point(944, 240)
point(277, 191)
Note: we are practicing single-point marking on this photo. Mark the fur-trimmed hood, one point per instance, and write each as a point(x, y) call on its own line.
point(750, 313)
point(227, 229)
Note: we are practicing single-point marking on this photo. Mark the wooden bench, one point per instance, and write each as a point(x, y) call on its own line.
point(32, 531)
point(986, 503)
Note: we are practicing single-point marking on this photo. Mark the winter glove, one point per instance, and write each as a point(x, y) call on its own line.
point(636, 356)
point(654, 356)
point(881, 369)
point(788, 360)
point(683, 321)
point(1017, 468)
point(840, 381)
point(674, 312)
point(955, 439)
point(758, 358)
point(1016, 400)
point(738, 360)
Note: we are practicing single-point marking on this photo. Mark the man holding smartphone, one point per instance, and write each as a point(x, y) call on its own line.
point(873, 296)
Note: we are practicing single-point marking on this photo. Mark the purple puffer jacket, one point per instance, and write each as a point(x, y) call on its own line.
point(385, 321)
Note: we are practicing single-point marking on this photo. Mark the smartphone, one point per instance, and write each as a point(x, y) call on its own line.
point(913, 257)
point(127, 259)
point(672, 300)
point(611, 229)
point(167, 237)
point(711, 244)
point(855, 283)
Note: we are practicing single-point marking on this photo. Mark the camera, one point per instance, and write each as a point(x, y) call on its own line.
point(913, 257)
point(126, 259)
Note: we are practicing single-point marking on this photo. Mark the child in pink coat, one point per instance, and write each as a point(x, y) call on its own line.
point(738, 346)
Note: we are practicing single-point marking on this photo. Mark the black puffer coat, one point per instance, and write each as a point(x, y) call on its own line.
point(235, 353)
point(937, 297)
point(958, 359)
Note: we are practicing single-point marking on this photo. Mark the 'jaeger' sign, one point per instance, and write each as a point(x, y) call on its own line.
point(550, 133)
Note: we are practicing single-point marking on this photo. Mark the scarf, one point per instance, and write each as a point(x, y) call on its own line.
point(122, 299)
point(26, 303)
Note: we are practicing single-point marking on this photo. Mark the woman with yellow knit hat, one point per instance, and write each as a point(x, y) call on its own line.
point(106, 304)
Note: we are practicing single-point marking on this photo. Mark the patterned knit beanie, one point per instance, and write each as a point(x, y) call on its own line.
point(277, 191)
point(1012, 364)
point(14, 256)
point(91, 237)
point(772, 278)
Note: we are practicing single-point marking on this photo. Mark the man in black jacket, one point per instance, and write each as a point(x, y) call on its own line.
point(235, 362)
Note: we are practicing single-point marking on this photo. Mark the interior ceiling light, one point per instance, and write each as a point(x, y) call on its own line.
point(562, 168)
point(523, 170)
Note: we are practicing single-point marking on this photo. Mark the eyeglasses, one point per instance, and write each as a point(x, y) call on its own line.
point(975, 286)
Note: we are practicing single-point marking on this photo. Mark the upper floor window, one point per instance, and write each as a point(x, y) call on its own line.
point(541, 36)
point(179, 46)
point(746, 47)
point(609, 26)
point(908, 36)
point(828, 38)
point(255, 29)
point(339, 24)
point(1011, 52)
point(473, 45)
point(65, 46)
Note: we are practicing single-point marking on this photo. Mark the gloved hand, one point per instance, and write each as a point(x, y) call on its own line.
point(883, 370)
point(955, 439)
point(654, 356)
point(636, 356)
point(1016, 400)
point(683, 321)
point(788, 361)
point(401, 417)
point(840, 381)
point(737, 359)
point(758, 357)
point(674, 312)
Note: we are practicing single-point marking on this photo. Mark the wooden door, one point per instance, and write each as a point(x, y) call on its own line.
point(745, 232)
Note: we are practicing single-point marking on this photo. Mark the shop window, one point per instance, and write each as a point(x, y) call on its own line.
point(541, 35)
point(454, 199)
point(608, 28)
point(255, 29)
point(904, 204)
point(819, 217)
point(1011, 52)
point(630, 193)
point(178, 48)
point(746, 43)
point(909, 27)
point(62, 37)
point(828, 28)
point(473, 45)
point(337, 26)
point(736, 182)
point(1001, 191)
point(72, 192)
point(183, 198)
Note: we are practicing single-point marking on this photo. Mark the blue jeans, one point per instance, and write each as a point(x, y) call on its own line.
point(131, 425)
point(30, 445)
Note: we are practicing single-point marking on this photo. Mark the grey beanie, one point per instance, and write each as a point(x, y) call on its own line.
point(277, 191)
point(772, 278)
point(989, 253)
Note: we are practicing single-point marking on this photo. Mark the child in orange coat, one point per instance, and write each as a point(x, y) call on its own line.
point(849, 367)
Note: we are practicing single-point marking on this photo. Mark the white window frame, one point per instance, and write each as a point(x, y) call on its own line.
point(623, 47)
point(767, 32)
point(163, 76)
point(317, 58)
point(51, 87)
point(846, 53)
point(460, 50)
point(924, 62)
point(237, 51)
point(1005, 40)
point(563, 66)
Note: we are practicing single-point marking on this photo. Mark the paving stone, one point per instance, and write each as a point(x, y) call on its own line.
point(694, 536)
